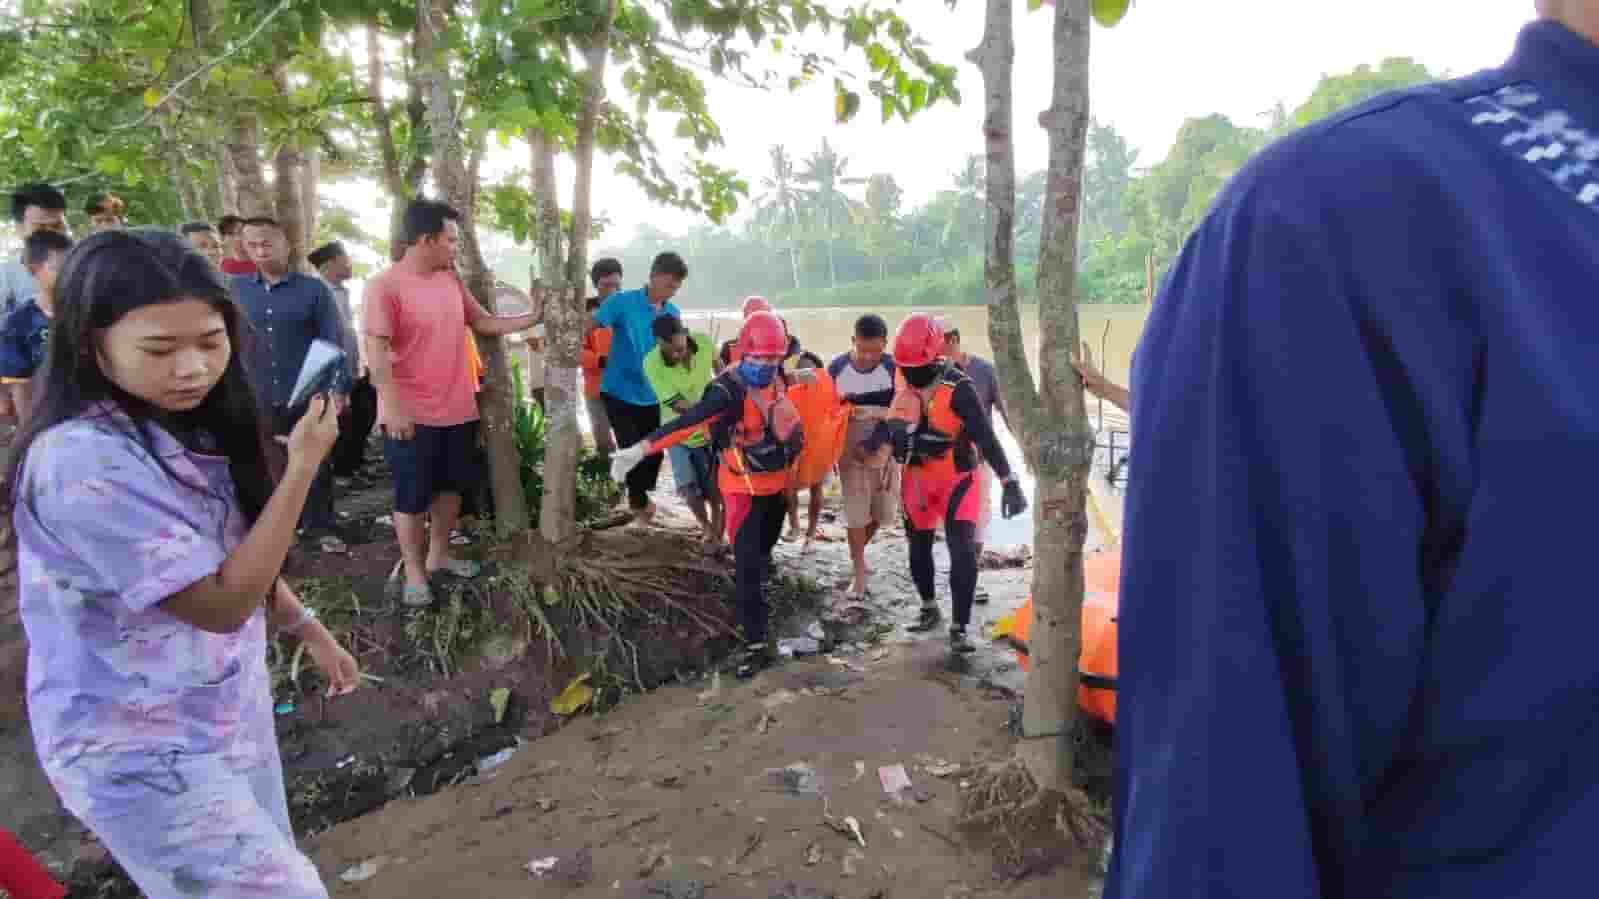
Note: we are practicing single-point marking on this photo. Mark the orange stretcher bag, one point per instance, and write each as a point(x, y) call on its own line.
point(825, 420)
point(1097, 662)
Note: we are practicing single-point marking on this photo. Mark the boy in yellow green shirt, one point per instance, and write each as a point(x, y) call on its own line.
point(679, 369)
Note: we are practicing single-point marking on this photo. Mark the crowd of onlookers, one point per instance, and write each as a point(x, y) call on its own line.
point(1355, 653)
point(165, 462)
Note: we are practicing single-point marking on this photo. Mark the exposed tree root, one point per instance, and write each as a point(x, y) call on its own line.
point(607, 574)
point(1030, 830)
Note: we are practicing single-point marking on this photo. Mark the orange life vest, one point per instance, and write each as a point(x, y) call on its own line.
point(937, 428)
point(759, 450)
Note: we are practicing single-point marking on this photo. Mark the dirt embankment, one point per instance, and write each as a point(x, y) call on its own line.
point(455, 686)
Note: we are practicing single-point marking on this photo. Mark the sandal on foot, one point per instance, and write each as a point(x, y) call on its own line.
point(465, 569)
point(930, 618)
point(415, 597)
point(981, 597)
point(757, 657)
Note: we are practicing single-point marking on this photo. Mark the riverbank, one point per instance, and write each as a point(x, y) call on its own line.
point(460, 684)
point(715, 788)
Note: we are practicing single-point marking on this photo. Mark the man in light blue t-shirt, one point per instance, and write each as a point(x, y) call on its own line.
point(626, 392)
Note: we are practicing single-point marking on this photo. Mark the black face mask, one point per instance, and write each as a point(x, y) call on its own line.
point(922, 375)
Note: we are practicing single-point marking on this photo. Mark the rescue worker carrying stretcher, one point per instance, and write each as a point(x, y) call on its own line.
point(933, 427)
point(756, 432)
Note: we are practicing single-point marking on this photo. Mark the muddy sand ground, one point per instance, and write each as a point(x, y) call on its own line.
point(677, 792)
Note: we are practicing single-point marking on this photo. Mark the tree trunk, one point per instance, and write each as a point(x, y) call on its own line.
point(182, 184)
point(793, 258)
point(1051, 423)
point(551, 267)
point(450, 173)
point(832, 268)
point(227, 186)
point(564, 315)
point(287, 168)
point(393, 180)
point(310, 204)
point(251, 197)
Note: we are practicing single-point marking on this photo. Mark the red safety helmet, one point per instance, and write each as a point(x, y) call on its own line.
point(754, 304)
point(919, 341)
point(763, 334)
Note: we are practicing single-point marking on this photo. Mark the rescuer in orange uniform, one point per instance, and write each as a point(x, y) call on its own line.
point(756, 431)
point(934, 425)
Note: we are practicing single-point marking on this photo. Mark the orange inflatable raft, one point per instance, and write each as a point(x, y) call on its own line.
point(1097, 661)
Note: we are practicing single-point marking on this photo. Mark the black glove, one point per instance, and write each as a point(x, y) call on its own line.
point(1014, 502)
point(902, 439)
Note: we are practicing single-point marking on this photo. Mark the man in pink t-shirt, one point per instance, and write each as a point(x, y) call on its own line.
point(416, 314)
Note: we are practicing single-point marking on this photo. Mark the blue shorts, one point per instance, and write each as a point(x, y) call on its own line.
point(434, 461)
point(693, 470)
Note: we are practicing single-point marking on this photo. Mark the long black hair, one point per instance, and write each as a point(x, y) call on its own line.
point(104, 278)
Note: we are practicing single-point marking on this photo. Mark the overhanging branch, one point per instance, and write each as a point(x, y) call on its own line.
point(206, 67)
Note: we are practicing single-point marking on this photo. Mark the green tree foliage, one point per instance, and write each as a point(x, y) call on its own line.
point(1134, 220)
point(1337, 92)
point(880, 220)
point(828, 207)
point(781, 209)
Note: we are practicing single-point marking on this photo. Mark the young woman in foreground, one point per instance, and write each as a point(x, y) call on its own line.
point(150, 539)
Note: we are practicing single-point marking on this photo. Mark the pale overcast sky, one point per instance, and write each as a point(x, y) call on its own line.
point(1168, 61)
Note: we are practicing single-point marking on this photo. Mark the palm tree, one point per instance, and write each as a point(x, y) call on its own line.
point(780, 211)
point(968, 212)
point(881, 214)
point(826, 200)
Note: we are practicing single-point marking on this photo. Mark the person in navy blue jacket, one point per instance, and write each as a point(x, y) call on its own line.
point(1357, 624)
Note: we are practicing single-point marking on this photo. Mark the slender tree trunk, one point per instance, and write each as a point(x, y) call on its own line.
point(182, 184)
point(564, 313)
point(288, 170)
point(793, 257)
point(547, 210)
point(1051, 421)
point(394, 181)
point(251, 196)
point(832, 268)
point(451, 174)
point(227, 187)
point(310, 202)
point(288, 165)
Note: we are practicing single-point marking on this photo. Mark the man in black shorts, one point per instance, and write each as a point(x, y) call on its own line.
point(416, 314)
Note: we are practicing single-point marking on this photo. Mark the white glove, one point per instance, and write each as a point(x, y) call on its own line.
point(626, 460)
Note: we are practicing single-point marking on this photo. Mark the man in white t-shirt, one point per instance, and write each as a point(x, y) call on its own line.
point(870, 481)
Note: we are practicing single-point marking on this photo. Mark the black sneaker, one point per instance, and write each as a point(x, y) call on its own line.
point(930, 618)
point(959, 643)
point(757, 657)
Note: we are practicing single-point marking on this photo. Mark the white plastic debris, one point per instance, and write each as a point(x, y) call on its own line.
point(365, 870)
point(490, 762)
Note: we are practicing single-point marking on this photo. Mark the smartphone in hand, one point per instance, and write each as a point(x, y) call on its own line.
point(322, 372)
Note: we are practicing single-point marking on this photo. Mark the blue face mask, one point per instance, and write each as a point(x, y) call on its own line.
point(756, 374)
